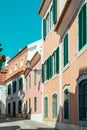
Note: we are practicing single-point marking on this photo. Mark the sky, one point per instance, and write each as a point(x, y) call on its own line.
point(20, 24)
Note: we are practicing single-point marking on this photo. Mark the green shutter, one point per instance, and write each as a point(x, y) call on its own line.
point(66, 50)
point(80, 30)
point(54, 11)
point(42, 73)
point(44, 28)
point(50, 67)
point(35, 104)
point(82, 27)
point(57, 60)
point(84, 24)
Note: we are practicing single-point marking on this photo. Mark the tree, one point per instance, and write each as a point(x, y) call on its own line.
point(2, 57)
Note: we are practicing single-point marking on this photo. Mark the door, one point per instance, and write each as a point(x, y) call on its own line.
point(14, 109)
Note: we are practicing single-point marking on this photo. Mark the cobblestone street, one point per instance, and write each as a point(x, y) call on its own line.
point(22, 124)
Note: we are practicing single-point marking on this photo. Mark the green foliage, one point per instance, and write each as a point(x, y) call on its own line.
point(3, 57)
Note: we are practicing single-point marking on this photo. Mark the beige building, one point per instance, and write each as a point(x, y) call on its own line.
point(64, 69)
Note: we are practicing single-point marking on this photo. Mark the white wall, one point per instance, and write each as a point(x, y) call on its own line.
point(3, 98)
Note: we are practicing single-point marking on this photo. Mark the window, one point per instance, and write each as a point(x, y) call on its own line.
point(45, 71)
point(82, 31)
point(26, 84)
point(9, 89)
point(50, 19)
point(29, 81)
point(82, 89)
point(14, 87)
point(26, 107)
point(11, 70)
point(20, 107)
point(35, 104)
point(66, 104)
point(46, 107)
point(51, 66)
point(54, 106)
point(66, 50)
point(9, 108)
point(54, 63)
point(35, 78)
point(21, 84)
point(29, 103)
point(15, 67)
point(21, 62)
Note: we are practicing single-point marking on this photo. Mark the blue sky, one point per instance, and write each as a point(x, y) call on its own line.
point(20, 24)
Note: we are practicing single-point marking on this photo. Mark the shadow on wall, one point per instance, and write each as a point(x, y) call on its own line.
point(2, 108)
point(73, 108)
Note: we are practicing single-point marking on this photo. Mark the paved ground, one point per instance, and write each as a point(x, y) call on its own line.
point(22, 124)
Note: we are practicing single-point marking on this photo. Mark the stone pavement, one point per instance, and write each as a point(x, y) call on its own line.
point(22, 124)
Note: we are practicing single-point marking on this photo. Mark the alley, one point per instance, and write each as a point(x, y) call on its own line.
point(22, 124)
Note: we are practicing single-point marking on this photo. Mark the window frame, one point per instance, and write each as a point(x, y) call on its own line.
point(82, 77)
point(45, 109)
point(54, 117)
point(67, 87)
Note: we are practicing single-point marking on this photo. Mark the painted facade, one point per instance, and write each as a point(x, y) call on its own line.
point(64, 82)
point(34, 89)
point(3, 92)
point(15, 84)
point(15, 80)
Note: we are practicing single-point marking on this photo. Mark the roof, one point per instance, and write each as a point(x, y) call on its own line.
point(17, 54)
point(41, 6)
point(62, 14)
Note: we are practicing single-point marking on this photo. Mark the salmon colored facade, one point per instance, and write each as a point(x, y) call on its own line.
point(69, 34)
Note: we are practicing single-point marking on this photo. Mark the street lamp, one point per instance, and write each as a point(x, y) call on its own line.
point(28, 66)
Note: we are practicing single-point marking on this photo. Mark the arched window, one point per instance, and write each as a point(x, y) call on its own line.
point(82, 96)
point(46, 107)
point(54, 106)
point(66, 104)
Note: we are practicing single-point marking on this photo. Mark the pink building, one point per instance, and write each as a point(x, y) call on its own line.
point(33, 90)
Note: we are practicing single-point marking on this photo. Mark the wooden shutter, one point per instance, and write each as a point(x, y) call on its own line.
point(80, 30)
point(50, 66)
point(42, 73)
point(84, 24)
point(44, 28)
point(54, 11)
point(57, 60)
point(66, 50)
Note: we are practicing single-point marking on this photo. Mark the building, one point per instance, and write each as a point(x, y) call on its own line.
point(34, 88)
point(15, 80)
point(64, 68)
point(15, 84)
point(3, 92)
point(50, 67)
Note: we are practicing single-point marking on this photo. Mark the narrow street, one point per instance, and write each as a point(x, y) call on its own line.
point(22, 124)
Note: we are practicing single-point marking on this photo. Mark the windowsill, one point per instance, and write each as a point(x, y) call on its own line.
point(46, 82)
point(66, 67)
point(79, 53)
point(83, 123)
point(54, 76)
